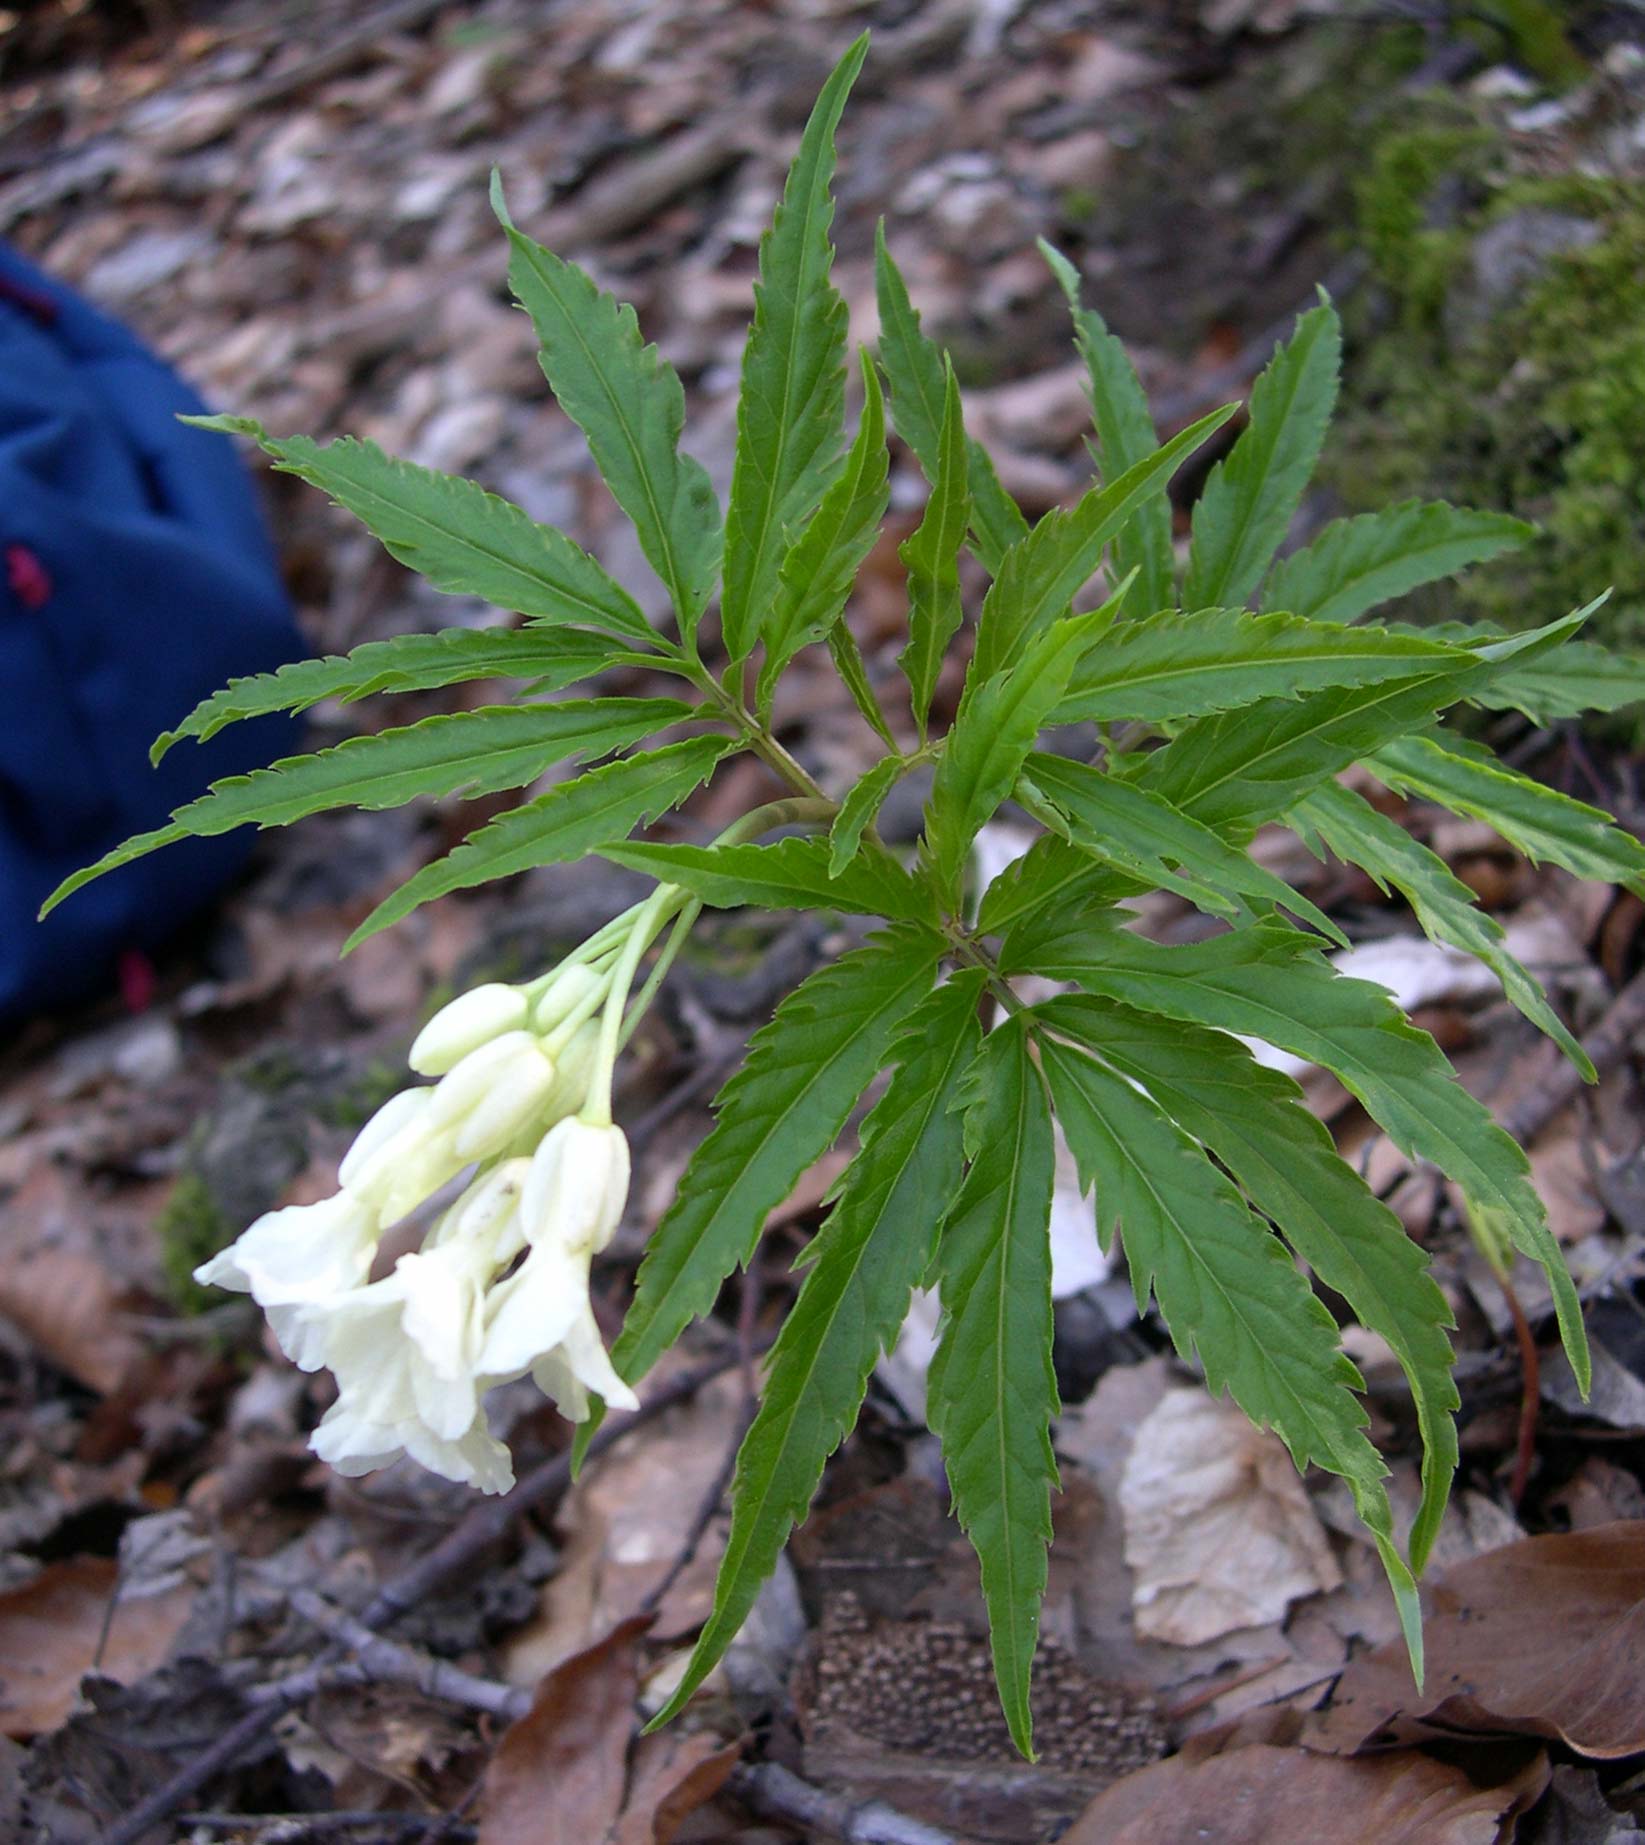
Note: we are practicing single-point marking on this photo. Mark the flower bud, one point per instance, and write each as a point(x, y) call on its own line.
point(396, 1113)
point(471, 1020)
point(514, 1057)
point(570, 988)
point(577, 1186)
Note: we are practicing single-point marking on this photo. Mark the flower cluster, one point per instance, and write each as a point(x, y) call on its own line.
point(499, 1285)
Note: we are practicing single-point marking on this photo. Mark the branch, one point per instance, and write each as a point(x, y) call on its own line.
point(771, 1792)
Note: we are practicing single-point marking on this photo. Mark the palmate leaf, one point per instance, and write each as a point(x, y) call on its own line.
point(549, 657)
point(567, 823)
point(861, 1271)
point(994, 729)
point(858, 810)
point(791, 409)
point(473, 752)
point(1355, 564)
point(453, 533)
point(1177, 665)
point(991, 1392)
point(1225, 1285)
point(792, 874)
point(1053, 872)
point(1146, 838)
point(1247, 766)
point(1245, 511)
point(1581, 677)
point(1536, 820)
point(1125, 436)
point(1039, 576)
point(1268, 982)
point(628, 402)
point(915, 365)
point(1258, 1124)
point(783, 1108)
point(820, 568)
point(931, 556)
point(1346, 824)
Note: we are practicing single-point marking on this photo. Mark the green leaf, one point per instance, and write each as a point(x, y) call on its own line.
point(1225, 1284)
point(931, 555)
point(568, 822)
point(1176, 665)
point(473, 752)
point(1267, 981)
point(914, 365)
point(464, 540)
point(991, 1391)
point(1582, 676)
point(1258, 1124)
point(791, 409)
point(848, 663)
point(1354, 564)
point(820, 568)
point(1146, 838)
point(627, 400)
point(1250, 765)
point(1538, 821)
point(779, 1113)
point(858, 809)
point(1245, 511)
point(1040, 575)
point(1125, 437)
point(1052, 872)
point(792, 874)
point(994, 729)
point(552, 657)
point(862, 1269)
point(1346, 824)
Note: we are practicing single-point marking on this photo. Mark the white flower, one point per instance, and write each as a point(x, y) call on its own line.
point(467, 1023)
point(577, 1186)
point(391, 1123)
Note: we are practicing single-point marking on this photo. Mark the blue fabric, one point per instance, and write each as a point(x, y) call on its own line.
point(135, 578)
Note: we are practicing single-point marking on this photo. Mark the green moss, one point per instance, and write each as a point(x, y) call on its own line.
point(191, 1228)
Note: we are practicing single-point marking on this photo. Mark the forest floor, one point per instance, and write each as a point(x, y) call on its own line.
point(204, 1632)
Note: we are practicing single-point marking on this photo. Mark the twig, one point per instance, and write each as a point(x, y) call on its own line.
point(483, 1527)
point(315, 1825)
point(1530, 1366)
point(769, 1790)
point(1560, 1082)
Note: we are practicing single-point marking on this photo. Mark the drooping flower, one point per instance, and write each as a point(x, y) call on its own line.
point(473, 1019)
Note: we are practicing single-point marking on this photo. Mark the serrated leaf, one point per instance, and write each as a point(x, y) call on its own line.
point(1051, 873)
point(791, 409)
point(820, 567)
point(931, 556)
point(1243, 514)
point(861, 1271)
point(779, 1113)
point(1225, 1285)
point(1267, 982)
point(1346, 824)
point(1146, 838)
point(1258, 1123)
point(1039, 576)
point(994, 729)
point(858, 809)
point(628, 402)
point(568, 822)
point(551, 657)
point(848, 663)
point(991, 1392)
point(1581, 677)
point(1355, 564)
point(462, 539)
point(914, 365)
point(792, 874)
point(473, 752)
point(1125, 436)
point(1176, 665)
point(1247, 766)
point(1538, 821)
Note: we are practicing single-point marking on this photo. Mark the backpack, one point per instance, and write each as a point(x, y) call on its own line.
point(136, 576)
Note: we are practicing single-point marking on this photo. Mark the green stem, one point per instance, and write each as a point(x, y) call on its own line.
point(659, 971)
point(596, 1107)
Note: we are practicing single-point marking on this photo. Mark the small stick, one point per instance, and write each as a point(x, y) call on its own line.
point(1530, 1366)
point(316, 1825)
point(772, 1792)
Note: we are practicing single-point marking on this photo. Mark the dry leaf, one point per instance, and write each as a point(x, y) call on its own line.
point(674, 1774)
point(1546, 1636)
point(1290, 1797)
point(1219, 1533)
point(558, 1775)
point(52, 1632)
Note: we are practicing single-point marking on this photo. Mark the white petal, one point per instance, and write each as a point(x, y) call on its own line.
point(397, 1112)
point(512, 1104)
point(468, 1083)
point(577, 1186)
point(304, 1252)
point(469, 1021)
point(529, 1313)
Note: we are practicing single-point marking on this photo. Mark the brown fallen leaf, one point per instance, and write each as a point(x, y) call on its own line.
point(1545, 1637)
point(1292, 1797)
point(54, 1629)
point(673, 1776)
point(559, 1774)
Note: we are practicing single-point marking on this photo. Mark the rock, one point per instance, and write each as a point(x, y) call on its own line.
point(1508, 257)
